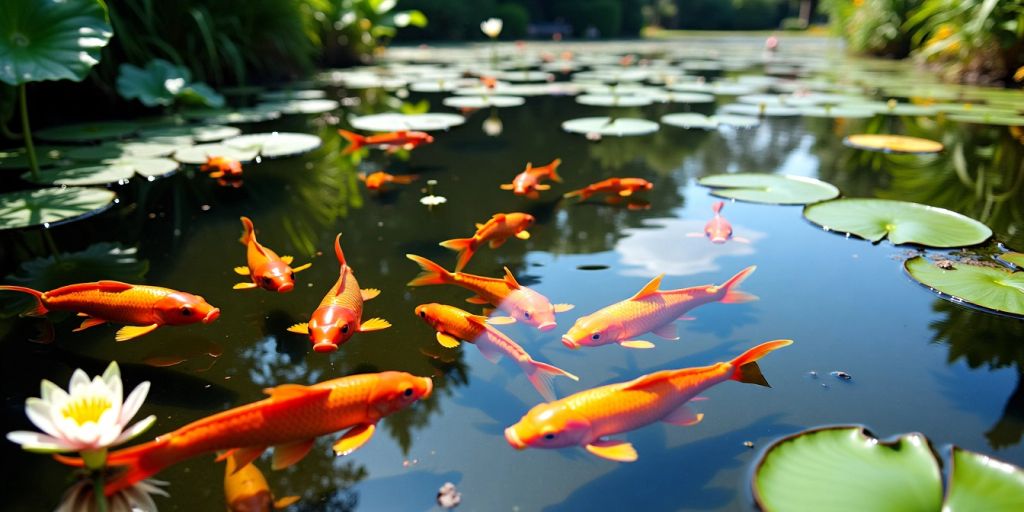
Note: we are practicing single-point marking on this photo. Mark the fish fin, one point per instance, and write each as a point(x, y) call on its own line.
point(242, 457)
point(405, 179)
point(114, 286)
point(490, 353)
point(464, 246)
point(574, 193)
point(649, 289)
point(129, 332)
point(478, 225)
point(338, 252)
point(476, 299)
point(287, 454)
point(89, 322)
point(554, 170)
point(734, 296)
point(667, 331)
point(717, 207)
point(361, 176)
point(626, 192)
point(636, 344)
point(745, 368)
point(562, 308)
point(243, 286)
point(498, 217)
point(504, 186)
point(542, 187)
point(683, 416)
point(541, 374)
point(284, 391)
point(249, 231)
point(618, 451)
point(242, 271)
point(494, 244)
point(374, 324)
point(447, 341)
point(432, 272)
point(523, 235)
point(287, 501)
point(368, 293)
point(355, 140)
point(81, 314)
point(300, 268)
point(287, 259)
point(501, 320)
point(353, 439)
point(217, 174)
point(510, 280)
point(302, 328)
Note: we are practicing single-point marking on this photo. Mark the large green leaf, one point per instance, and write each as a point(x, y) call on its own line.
point(769, 188)
point(116, 170)
point(276, 144)
point(978, 482)
point(51, 39)
point(847, 469)
point(902, 222)
point(161, 83)
point(610, 126)
point(51, 205)
point(991, 287)
point(197, 155)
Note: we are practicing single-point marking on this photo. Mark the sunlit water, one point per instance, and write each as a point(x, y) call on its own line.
point(918, 363)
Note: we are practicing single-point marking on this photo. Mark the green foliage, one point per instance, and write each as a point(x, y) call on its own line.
point(450, 19)
point(874, 26)
point(50, 40)
point(353, 30)
point(730, 14)
point(603, 15)
point(164, 84)
point(515, 18)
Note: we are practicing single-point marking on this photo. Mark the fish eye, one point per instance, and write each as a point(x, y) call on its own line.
point(527, 315)
point(291, 275)
point(344, 329)
point(407, 392)
point(186, 311)
point(596, 336)
point(549, 436)
point(423, 314)
point(267, 280)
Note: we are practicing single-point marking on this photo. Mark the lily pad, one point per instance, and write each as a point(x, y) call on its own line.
point(87, 132)
point(979, 482)
point(301, 106)
point(192, 134)
point(902, 222)
point(197, 155)
point(112, 171)
point(837, 112)
point(227, 116)
point(607, 126)
point(396, 122)
point(688, 120)
point(892, 143)
point(614, 100)
point(51, 40)
point(988, 119)
point(993, 288)
point(1014, 258)
point(761, 109)
point(109, 150)
point(162, 83)
point(848, 469)
point(18, 159)
point(483, 101)
point(689, 98)
point(276, 144)
point(769, 188)
point(288, 95)
point(51, 206)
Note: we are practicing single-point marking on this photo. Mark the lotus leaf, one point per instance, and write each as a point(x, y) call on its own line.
point(614, 127)
point(892, 143)
point(191, 134)
point(117, 170)
point(694, 120)
point(227, 116)
point(1015, 258)
point(902, 222)
point(761, 109)
point(161, 83)
point(51, 39)
point(993, 119)
point(979, 482)
point(677, 97)
point(838, 112)
point(396, 122)
point(612, 100)
point(51, 206)
point(197, 155)
point(990, 287)
point(483, 101)
point(769, 188)
point(288, 95)
point(88, 132)
point(276, 144)
point(301, 106)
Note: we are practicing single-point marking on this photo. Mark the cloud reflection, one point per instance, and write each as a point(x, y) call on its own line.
point(662, 246)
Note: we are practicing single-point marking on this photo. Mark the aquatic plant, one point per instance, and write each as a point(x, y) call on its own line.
point(769, 188)
point(982, 283)
point(161, 83)
point(137, 498)
point(899, 221)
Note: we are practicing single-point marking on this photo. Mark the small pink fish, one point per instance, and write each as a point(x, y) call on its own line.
point(718, 230)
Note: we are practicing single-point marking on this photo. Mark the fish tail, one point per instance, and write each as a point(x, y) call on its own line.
point(432, 272)
point(734, 296)
point(582, 193)
point(39, 309)
point(250, 231)
point(541, 374)
point(355, 140)
point(717, 208)
point(140, 462)
point(554, 170)
point(405, 179)
point(745, 367)
point(337, 250)
point(465, 247)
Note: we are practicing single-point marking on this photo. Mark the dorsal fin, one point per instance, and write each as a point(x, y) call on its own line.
point(649, 289)
point(647, 380)
point(510, 280)
point(285, 391)
point(499, 217)
point(106, 286)
point(477, 319)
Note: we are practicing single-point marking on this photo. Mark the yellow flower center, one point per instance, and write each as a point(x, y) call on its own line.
point(86, 409)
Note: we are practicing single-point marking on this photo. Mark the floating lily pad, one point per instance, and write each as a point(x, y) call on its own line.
point(769, 188)
point(18, 159)
point(613, 100)
point(227, 116)
point(689, 98)
point(892, 143)
point(192, 134)
point(717, 88)
point(301, 106)
point(396, 122)
point(988, 119)
point(276, 144)
point(304, 94)
point(111, 150)
point(607, 126)
point(51, 206)
point(979, 482)
point(49, 40)
point(197, 155)
point(900, 221)
point(993, 288)
point(162, 83)
point(837, 112)
point(524, 76)
point(693, 120)
point(483, 101)
point(761, 109)
point(848, 469)
point(87, 132)
point(118, 170)
point(1015, 258)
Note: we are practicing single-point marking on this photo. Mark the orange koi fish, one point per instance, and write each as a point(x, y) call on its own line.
point(267, 270)
point(527, 183)
point(142, 307)
point(651, 310)
point(380, 179)
point(403, 139)
point(522, 303)
point(290, 420)
point(340, 313)
point(246, 490)
point(221, 167)
point(495, 232)
point(453, 324)
point(623, 187)
point(585, 418)
point(718, 230)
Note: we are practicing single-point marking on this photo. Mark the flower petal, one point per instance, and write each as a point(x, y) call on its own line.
point(133, 403)
point(136, 429)
point(112, 373)
point(38, 412)
point(78, 380)
point(40, 443)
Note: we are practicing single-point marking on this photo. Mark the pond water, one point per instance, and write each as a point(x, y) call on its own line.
point(918, 362)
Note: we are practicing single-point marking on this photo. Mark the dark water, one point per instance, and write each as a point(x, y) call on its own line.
point(918, 363)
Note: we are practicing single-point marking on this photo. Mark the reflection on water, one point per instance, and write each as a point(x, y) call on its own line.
point(646, 248)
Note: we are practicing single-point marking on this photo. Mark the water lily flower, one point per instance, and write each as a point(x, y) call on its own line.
point(433, 200)
point(137, 498)
point(492, 27)
point(88, 418)
point(492, 125)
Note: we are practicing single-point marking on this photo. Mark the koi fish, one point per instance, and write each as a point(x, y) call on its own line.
point(267, 270)
point(718, 230)
point(340, 313)
point(143, 308)
point(495, 233)
point(453, 324)
point(527, 183)
point(522, 303)
point(246, 490)
point(378, 180)
point(622, 187)
point(289, 420)
point(404, 139)
point(651, 310)
point(222, 167)
point(585, 418)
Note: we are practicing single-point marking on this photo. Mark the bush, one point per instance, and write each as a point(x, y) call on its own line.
point(603, 15)
point(516, 20)
point(449, 19)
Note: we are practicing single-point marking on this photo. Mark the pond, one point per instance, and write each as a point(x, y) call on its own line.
point(916, 361)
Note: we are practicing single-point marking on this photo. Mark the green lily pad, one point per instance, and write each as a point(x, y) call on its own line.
point(887, 143)
point(761, 109)
point(613, 100)
point(51, 40)
point(993, 288)
point(978, 482)
point(391, 122)
point(689, 98)
point(197, 155)
point(769, 188)
point(87, 132)
point(315, 106)
point(118, 170)
point(18, 159)
point(902, 222)
point(276, 144)
point(688, 120)
point(191, 134)
point(161, 83)
point(288, 95)
point(483, 101)
point(109, 150)
point(51, 206)
point(607, 126)
point(837, 112)
point(1016, 258)
point(848, 469)
point(988, 119)
point(227, 116)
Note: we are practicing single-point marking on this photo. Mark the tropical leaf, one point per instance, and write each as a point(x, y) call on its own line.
point(51, 39)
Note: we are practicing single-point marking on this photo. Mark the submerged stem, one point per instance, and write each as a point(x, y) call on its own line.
point(27, 133)
point(97, 491)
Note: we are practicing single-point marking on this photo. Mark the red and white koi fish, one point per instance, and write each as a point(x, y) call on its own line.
point(404, 139)
point(495, 232)
point(267, 270)
point(718, 230)
point(528, 182)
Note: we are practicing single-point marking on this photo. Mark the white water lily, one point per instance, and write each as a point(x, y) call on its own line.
point(137, 498)
point(90, 417)
point(492, 27)
point(492, 126)
point(433, 200)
